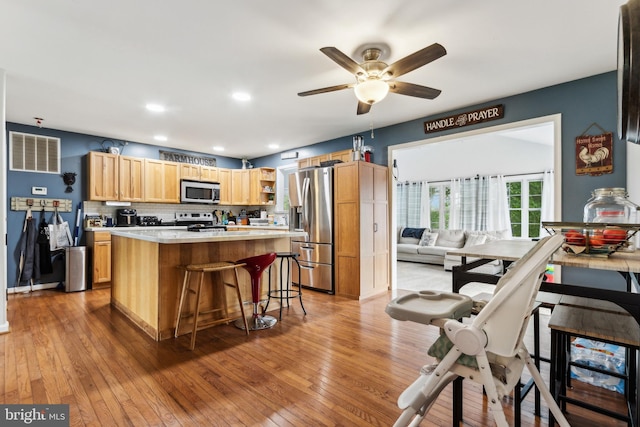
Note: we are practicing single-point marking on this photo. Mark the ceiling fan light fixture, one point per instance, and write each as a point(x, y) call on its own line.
point(371, 91)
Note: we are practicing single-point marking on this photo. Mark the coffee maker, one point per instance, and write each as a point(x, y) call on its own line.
point(126, 218)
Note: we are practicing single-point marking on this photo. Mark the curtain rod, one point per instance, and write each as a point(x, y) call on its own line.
point(475, 177)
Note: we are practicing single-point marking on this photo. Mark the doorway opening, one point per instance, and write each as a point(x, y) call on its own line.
point(504, 149)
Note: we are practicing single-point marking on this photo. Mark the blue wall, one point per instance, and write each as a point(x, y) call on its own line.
point(581, 103)
point(74, 149)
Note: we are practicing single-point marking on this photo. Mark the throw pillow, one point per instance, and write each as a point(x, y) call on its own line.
point(428, 239)
point(475, 239)
point(416, 233)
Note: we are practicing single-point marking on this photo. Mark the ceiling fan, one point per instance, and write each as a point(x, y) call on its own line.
point(374, 78)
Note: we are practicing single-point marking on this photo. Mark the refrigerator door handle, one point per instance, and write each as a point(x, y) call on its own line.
point(306, 183)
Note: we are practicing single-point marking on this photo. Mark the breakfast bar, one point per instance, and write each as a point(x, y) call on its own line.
point(146, 280)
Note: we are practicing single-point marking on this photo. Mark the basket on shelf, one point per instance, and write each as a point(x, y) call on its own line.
point(594, 238)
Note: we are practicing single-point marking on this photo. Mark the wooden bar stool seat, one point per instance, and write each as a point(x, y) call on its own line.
point(228, 272)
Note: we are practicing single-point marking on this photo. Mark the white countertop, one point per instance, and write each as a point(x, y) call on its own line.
point(158, 227)
point(262, 227)
point(162, 235)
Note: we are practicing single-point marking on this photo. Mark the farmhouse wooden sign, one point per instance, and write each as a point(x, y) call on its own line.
point(465, 119)
point(187, 158)
point(594, 154)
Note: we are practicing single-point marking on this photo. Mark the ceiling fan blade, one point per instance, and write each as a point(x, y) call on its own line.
point(415, 60)
point(411, 89)
point(343, 60)
point(325, 90)
point(363, 107)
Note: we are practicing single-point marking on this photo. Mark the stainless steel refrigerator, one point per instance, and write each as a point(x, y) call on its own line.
point(311, 201)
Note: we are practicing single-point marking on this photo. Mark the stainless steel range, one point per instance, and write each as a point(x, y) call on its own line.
point(194, 218)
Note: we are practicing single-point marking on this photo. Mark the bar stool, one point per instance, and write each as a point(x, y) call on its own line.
point(202, 269)
point(255, 265)
point(285, 293)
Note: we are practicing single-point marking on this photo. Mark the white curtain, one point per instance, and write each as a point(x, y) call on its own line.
point(413, 204)
point(425, 205)
point(548, 198)
point(479, 203)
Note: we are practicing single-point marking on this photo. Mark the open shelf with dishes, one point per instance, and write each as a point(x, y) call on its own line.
point(594, 238)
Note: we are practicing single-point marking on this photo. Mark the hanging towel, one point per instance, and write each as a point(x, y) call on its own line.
point(46, 267)
point(29, 256)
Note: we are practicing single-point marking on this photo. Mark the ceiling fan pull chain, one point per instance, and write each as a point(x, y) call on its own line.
point(372, 136)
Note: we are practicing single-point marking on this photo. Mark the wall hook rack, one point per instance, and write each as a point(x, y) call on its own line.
point(35, 204)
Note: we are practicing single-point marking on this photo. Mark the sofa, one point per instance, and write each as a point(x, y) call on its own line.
point(430, 246)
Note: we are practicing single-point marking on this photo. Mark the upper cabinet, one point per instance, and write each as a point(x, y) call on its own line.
point(240, 186)
point(103, 176)
point(131, 178)
point(161, 181)
point(199, 173)
point(344, 155)
point(262, 186)
point(114, 177)
point(224, 177)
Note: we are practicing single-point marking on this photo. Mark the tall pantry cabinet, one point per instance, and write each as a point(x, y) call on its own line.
point(361, 229)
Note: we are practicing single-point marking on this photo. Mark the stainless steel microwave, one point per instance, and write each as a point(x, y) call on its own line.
point(199, 192)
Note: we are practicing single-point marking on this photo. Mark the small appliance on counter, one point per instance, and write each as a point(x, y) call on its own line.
point(149, 221)
point(126, 218)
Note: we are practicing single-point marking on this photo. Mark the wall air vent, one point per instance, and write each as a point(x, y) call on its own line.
point(34, 153)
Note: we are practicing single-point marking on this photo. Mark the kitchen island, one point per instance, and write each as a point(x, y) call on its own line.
point(146, 280)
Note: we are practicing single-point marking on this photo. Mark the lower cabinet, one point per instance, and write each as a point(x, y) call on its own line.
point(99, 244)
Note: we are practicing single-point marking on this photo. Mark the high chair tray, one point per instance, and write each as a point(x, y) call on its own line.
point(424, 306)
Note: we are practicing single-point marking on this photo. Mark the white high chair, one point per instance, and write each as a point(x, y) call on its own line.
point(489, 350)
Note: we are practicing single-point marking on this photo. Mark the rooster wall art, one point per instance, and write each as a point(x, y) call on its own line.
point(590, 158)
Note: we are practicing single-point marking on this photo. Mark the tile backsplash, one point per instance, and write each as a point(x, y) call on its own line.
point(165, 212)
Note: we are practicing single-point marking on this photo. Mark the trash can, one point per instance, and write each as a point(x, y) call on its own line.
point(76, 268)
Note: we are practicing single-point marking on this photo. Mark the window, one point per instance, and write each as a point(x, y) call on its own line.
point(439, 197)
point(34, 153)
point(282, 187)
point(525, 205)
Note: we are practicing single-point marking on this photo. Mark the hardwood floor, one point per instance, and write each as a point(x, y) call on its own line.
point(344, 364)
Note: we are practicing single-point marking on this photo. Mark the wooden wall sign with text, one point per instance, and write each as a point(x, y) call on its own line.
point(187, 158)
point(465, 119)
point(594, 154)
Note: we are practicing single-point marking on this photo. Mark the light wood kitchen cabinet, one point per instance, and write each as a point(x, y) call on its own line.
point(209, 174)
point(162, 181)
point(343, 155)
point(199, 173)
point(240, 186)
point(224, 176)
point(262, 186)
point(130, 179)
point(115, 177)
point(189, 171)
point(103, 176)
point(99, 244)
point(362, 233)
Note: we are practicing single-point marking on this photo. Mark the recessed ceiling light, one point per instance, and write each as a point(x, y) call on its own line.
point(273, 146)
point(156, 108)
point(160, 138)
point(241, 96)
point(218, 148)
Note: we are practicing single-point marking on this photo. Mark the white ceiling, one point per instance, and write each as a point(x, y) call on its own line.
point(90, 67)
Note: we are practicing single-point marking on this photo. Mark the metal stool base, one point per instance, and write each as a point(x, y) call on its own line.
point(257, 323)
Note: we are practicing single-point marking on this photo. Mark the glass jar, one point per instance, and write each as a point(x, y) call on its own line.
point(610, 205)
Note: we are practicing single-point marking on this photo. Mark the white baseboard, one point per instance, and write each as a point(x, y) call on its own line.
point(26, 289)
